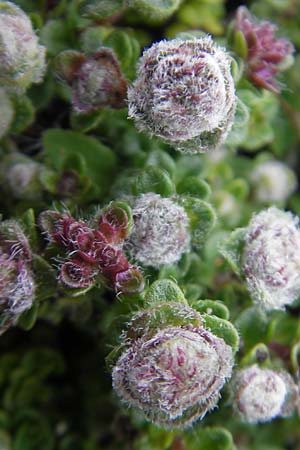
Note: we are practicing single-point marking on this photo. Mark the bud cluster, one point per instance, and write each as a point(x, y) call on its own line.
point(22, 59)
point(173, 373)
point(17, 288)
point(184, 93)
point(93, 252)
point(271, 258)
point(260, 395)
point(160, 233)
point(96, 80)
point(266, 55)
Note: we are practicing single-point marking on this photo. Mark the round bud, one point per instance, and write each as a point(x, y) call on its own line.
point(184, 93)
point(260, 395)
point(160, 233)
point(271, 258)
point(174, 375)
point(22, 59)
point(98, 83)
point(273, 181)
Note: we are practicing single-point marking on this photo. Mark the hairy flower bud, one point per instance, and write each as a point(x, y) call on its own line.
point(160, 233)
point(266, 54)
point(273, 181)
point(271, 258)
point(260, 395)
point(17, 287)
point(173, 375)
point(22, 59)
point(96, 81)
point(184, 93)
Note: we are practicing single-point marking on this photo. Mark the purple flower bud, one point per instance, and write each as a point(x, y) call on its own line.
point(271, 258)
point(22, 59)
point(160, 233)
point(113, 224)
point(174, 375)
point(265, 53)
point(99, 83)
point(129, 281)
point(76, 273)
point(260, 395)
point(184, 93)
point(17, 287)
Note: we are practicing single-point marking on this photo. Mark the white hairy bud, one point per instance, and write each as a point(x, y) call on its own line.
point(174, 376)
point(160, 233)
point(260, 395)
point(22, 59)
point(273, 181)
point(184, 93)
point(271, 259)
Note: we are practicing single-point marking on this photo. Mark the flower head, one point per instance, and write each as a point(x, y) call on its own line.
point(173, 374)
point(17, 287)
point(260, 395)
point(271, 258)
point(22, 59)
point(273, 181)
point(265, 53)
point(184, 93)
point(160, 233)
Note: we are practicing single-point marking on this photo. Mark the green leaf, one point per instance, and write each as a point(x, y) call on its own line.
point(202, 218)
point(28, 220)
point(24, 113)
point(153, 179)
point(99, 160)
point(155, 11)
point(232, 248)
point(101, 9)
point(223, 329)
point(28, 318)
point(161, 159)
point(211, 307)
point(164, 291)
point(126, 48)
point(194, 187)
point(252, 325)
point(209, 438)
point(55, 36)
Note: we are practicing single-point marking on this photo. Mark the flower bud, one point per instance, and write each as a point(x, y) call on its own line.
point(22, 59)
point(113, 223)
point(260, 395)
point(17, 287)
point(271, 258)
point(273, 181)
point(96, 81)
point(266, 55)
point(184, 93)
point(160, 233)
point(76, 273)
point(20, 177)
point(129, 281)
point(174, 375)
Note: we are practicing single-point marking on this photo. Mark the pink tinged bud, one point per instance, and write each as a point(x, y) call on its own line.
point(160, 233)
point(76, 273)
point(17, 290)
point(98, 83)
point(111, 261)
point(113, 224)
point(14, 242)
point(22, 59)
point(174, 376)
point(260, 395)
point(129, 281)
point(184, 93)
point(271, 258)
point(266, 53)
